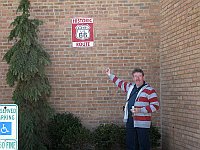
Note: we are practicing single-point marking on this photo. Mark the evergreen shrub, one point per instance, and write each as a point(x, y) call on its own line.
point(67, 133)
point(27, 60)
point(112, 136)
point(109, 137)
point(155, 136)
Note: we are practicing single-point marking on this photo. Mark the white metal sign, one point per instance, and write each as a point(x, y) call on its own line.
point(8, 127)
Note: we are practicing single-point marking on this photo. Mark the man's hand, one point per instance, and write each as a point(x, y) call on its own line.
point(136, 110)
point(108, 71)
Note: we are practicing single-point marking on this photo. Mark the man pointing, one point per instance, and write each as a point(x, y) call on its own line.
point(141, 102)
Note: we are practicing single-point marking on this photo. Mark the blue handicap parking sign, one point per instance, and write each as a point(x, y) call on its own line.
point(5, 128)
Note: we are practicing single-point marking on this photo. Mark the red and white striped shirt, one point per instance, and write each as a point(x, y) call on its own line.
point(146, 99)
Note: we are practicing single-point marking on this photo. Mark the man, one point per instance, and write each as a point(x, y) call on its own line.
point(141, 102)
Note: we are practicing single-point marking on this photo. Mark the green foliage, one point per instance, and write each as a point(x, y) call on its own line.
point(67, 133)
point(155, 136)
point(33, 125)
point(27, 58)
point(32, 89)
point(27, 61)
point(109, 137)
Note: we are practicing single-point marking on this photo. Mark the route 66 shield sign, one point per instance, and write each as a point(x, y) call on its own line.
point(82, 32)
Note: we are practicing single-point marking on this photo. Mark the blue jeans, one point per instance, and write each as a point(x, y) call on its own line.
point(136, 138)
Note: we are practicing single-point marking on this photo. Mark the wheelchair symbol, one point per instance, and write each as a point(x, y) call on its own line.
point(5, 128)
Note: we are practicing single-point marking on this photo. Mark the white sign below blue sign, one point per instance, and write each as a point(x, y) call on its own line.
point(8, 127)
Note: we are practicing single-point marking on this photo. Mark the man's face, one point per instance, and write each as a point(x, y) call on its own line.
point(138, 78)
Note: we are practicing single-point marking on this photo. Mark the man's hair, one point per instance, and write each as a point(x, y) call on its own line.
point(138, 70)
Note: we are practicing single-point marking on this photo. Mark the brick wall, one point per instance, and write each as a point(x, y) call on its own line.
point(180, 74)
point(126, 36)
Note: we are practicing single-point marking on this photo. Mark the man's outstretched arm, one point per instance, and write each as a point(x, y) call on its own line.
point(124, 86)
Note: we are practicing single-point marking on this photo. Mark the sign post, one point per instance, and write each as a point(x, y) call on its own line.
point(8, 127)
